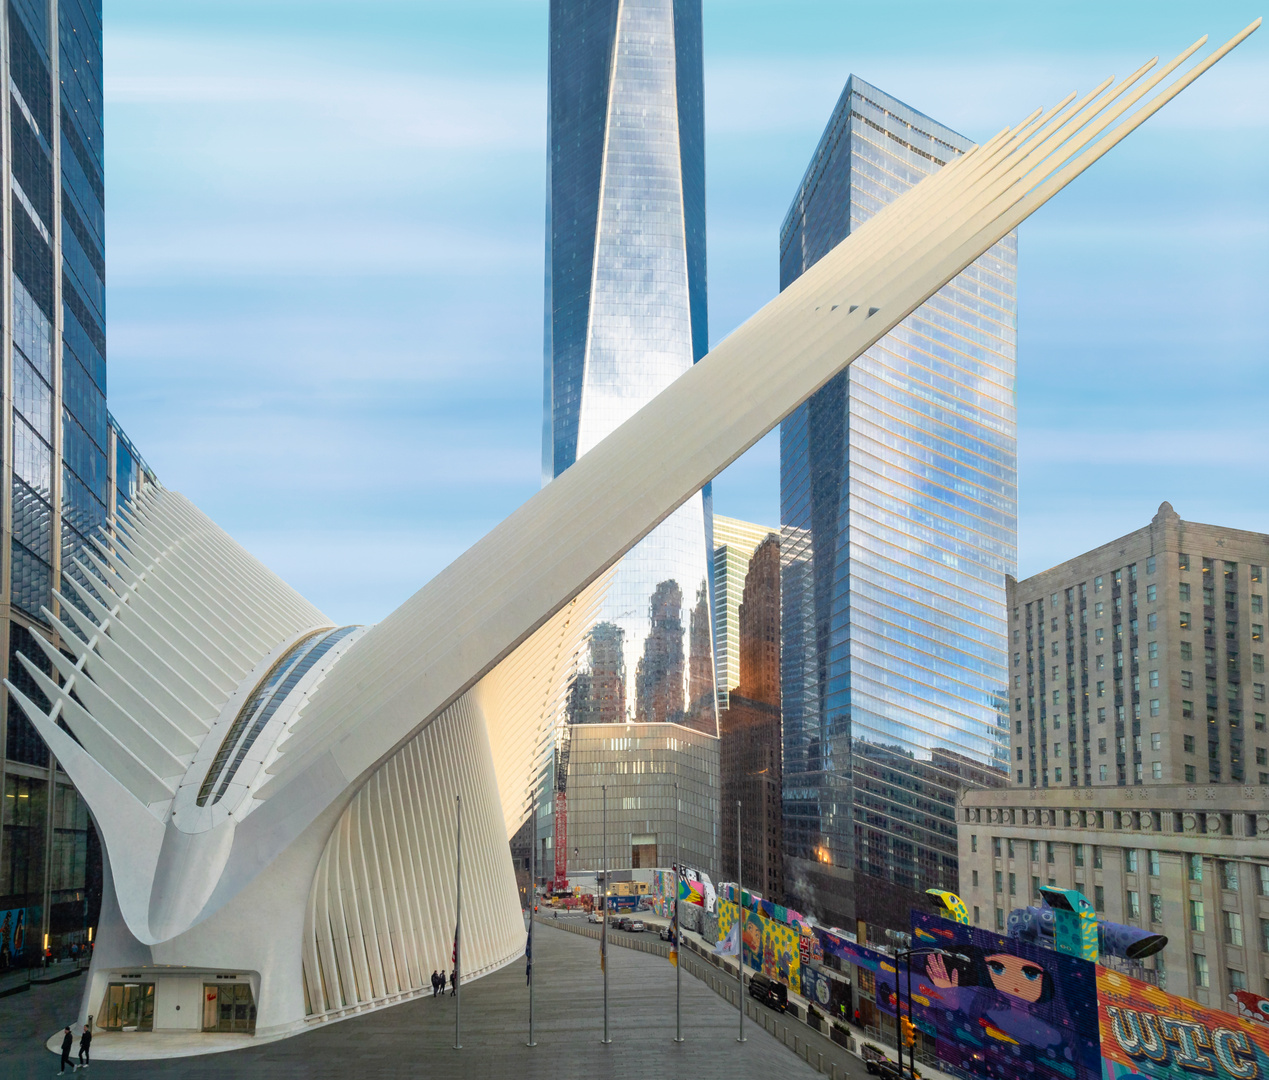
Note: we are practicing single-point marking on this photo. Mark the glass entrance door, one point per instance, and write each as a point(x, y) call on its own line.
point(228, 1007)
point(130, 1007)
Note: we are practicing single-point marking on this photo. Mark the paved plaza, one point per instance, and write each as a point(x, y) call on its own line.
point(416, 1039)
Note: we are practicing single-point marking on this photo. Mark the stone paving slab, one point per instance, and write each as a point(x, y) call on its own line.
point(416, 1039)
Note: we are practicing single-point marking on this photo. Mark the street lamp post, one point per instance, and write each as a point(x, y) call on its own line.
point(603, 940)
point(907, 955)
point(740, 952)
point(458, 924)
point(674, 943)
point(533, 904)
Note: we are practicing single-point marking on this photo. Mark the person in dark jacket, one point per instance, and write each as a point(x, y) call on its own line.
point(453, 982)
point(434, 978)
point(85, 1041)
point(68, 1041)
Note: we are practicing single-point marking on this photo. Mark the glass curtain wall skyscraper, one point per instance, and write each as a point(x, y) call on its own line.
point(625, 316)
point(899, 522)
point(625, 304)
point(64, 462)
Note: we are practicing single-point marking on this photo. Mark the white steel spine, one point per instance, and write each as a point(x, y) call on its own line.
point(473, 614)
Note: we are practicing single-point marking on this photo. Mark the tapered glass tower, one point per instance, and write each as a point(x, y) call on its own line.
point(625, 316)
point(899, 515)
point(625, 304)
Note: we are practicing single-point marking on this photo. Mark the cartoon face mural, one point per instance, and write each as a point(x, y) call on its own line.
point(1014, 976)
point(998, 1007)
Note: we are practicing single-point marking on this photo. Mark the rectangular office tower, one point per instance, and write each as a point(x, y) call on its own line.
point(899, 516)
point(64, 461)
point(625, 316)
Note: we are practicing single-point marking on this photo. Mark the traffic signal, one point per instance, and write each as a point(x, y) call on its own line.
point(909, 1032)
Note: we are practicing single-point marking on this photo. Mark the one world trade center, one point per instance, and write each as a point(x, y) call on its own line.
point(625, 316)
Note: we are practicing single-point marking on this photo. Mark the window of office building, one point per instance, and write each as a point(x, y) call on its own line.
point(1229, 876)
point(1200, 971)
point(1198, 919)
point(1233, 926)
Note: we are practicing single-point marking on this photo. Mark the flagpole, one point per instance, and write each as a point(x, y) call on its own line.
point(603, 933)
point(674, 941)
point(740, 954)
point(458, 925)
point(533, 904)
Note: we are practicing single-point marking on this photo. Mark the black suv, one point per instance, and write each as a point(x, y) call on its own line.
point(771, 993)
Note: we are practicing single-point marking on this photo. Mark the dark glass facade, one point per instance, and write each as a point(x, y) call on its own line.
point(626, 308)
point(64, 452)
point(899, 522)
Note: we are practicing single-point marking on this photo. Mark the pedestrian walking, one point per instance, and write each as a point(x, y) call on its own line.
point(434, 978)
point(453, 982)
point(85, 1041)
point(68, 1041)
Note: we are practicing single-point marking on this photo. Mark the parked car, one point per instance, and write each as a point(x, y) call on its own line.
point(873, 1055)
point(878, 1064)
point(594, 917)
point(623, 923)
point(667, 932)
point(771, 993)
point(636, 926)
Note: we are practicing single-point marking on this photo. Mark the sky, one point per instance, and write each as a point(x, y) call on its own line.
point(325, 246)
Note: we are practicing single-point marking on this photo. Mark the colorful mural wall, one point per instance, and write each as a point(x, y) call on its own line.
point(1147, 1032)
point(12, 932)
point(769, 946)
point(997, 1007)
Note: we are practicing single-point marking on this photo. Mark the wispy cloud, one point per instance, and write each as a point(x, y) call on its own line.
point(403, 108)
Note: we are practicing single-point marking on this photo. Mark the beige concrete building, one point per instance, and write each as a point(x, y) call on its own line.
point(640, 764)
point(1188, 861)
point(1143, 662)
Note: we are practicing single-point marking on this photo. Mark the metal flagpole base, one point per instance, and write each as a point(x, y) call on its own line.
point(676, 1039)
point(604, 1042)
point(529, 1043)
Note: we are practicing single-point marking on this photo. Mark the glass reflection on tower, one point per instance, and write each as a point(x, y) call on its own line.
point(899, 520)
point(626, 315)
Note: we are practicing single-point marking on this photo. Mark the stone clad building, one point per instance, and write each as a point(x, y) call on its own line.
point(1143, 661)
point(1188, 861)
point(1140, 753)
